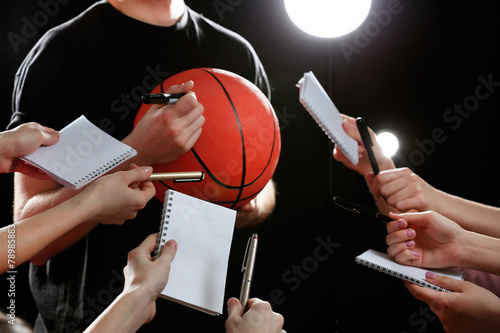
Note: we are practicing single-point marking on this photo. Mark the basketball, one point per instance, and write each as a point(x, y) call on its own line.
point(240, 143)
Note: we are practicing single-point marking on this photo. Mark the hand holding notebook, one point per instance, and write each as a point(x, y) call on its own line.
point(203, 232)
point(319, 105)
point(83, 153)
point(383, 263)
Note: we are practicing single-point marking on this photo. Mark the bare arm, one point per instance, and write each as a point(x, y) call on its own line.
point(163, 134)
point(36, 233)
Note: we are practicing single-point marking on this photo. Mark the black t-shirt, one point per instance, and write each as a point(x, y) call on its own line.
point(100, 64)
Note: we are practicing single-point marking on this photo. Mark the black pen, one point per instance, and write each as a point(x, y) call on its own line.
point(357, 209)
point(161, 98)
point(368, 143)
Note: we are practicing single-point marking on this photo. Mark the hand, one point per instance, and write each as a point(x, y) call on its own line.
point(117, 197)
point(259, 318)
point(404, 190)
point(363, 166)
point(468, 308)
point(148, 276)
point(258, 209)
point(21, 141)
point(431, 240)
point(167, 131)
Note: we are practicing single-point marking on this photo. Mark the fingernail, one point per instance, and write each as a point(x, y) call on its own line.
point(410, 233)
point(410, 243)
point(416, 254)
point(430, 275)
point(401, 224)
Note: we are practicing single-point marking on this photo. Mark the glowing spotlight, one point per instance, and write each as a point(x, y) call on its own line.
point(389, 143)
point(328, 18)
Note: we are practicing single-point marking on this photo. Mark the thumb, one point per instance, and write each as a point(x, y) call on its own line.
point(234, 307)
point(414, 220)
point(139, 174)
point(444, 281)
point(50, 136)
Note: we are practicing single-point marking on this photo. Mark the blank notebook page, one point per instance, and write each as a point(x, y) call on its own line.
point(203, 232)
point(82, 154)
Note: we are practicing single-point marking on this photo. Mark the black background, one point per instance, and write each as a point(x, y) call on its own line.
point(407, 71)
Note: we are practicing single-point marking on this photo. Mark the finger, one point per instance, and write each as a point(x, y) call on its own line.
point(234, 308)
point(149, 244)
point(28, 170)
point(139, 174)
point(445, 282)
point(407, 257)
point(392, 174)
point(423, 294)
point(400, 236)
point(394, 226)
point(181, 88)
point(351, 128)
point(395, 249)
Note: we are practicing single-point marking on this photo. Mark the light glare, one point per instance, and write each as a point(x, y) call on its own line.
point(389, 143)
point(328, 18)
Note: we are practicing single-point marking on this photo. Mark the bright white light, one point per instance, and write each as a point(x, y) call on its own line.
point(389, 143)
point(327, 18)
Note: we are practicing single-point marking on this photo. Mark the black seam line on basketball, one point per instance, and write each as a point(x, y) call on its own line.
point(270, 156)
point(210, 174)
point(244, 168)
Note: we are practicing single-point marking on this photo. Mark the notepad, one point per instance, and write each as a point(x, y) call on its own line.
point(83, 153)
point(383, 263)
point(203, 232)
point(319, 105)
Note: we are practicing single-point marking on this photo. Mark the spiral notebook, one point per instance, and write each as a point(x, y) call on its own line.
point(383, 263)
point(319, 105)
point(83, 153)
point(203, 232)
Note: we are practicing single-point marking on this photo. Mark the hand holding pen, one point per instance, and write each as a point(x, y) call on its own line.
point(240, 321)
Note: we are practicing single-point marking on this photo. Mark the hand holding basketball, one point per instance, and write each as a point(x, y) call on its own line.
point(168, 131)
point(239, 147)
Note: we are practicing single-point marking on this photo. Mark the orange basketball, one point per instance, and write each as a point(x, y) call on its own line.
point(240, 143)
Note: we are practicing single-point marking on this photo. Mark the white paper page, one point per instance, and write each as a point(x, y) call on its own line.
point(83, 153)
point(319, 105)
point(203, 232)
point(403, 271)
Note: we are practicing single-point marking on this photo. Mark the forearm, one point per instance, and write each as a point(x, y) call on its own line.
point(470, 215)
point(30, 236)
point(27, 205)
point(480, 252)
point(128, 312)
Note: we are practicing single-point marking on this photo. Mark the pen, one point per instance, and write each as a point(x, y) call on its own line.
point(368, 143)
point(161, 98)
point(188, 176)
point(357, 209)
point(248, 267)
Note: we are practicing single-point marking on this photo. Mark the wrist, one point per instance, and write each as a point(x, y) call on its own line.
point(466, 250)
point(88, 203)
